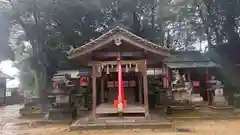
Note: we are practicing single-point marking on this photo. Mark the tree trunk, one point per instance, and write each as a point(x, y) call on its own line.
point(205, 25)
point(136, 23)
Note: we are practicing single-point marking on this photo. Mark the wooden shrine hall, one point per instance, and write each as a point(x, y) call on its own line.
point(118, 61)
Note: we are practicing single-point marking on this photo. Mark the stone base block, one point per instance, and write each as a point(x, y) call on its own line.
point(59, 114)
point(215, 107)
point(30, 111)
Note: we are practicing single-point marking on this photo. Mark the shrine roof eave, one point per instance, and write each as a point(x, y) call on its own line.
point(124, 35)
point(178, 65)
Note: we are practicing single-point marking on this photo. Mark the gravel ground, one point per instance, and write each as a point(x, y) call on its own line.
point(10, 124)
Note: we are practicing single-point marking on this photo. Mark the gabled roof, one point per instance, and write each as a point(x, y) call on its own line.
point(124, 34)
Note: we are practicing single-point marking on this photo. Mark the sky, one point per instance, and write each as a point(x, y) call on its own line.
point(7, 68)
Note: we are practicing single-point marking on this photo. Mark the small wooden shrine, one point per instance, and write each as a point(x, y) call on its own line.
point(194, 69)
point(119, 61)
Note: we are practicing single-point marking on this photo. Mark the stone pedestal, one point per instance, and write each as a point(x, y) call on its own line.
point(219, 100)
point(197, 100)
point(31, 107)
point(180, 96)
point(59, 114)
point(61, 111)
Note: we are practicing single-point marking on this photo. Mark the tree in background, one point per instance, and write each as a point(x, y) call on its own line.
point(52, 26)
point(5, 50)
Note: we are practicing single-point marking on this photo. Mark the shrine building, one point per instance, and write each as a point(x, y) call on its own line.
point(119, 62)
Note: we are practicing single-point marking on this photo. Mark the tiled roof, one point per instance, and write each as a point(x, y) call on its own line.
point(188, 59)
point(186, 56)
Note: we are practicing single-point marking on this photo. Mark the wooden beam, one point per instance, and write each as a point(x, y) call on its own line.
point(140, 88)
point(94, 92)
point(114, 54)
point(123, 62)
point(102, 89)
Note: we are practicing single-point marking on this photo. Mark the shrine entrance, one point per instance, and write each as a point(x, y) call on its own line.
point(121, 81)
point(132, 89)
point(118, 61)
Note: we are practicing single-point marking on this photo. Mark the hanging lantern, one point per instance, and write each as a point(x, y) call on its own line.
point(136, 68)
point(117, 68)
point(127, 68)
point(108, 69)
point(99, 69)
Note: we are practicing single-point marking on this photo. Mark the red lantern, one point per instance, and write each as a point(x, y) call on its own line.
point(83, 80)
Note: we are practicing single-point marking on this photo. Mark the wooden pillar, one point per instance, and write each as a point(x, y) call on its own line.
point(102, 89)
point(207, 86)
point(164, 78)
point(170, 77)
point(189, 76)
point(145, 88)
point(140, 88)
point(94, 92)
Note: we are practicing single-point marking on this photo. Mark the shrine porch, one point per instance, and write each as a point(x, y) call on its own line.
point(107, 108)
point(153, 122)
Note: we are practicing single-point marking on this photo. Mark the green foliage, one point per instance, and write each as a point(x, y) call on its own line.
point(6, 52)
point(51, 26)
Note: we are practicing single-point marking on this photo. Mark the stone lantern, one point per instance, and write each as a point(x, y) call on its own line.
point(61, 107)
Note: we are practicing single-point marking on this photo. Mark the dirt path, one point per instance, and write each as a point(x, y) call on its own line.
point(10, 124)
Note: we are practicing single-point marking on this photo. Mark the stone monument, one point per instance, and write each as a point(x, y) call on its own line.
point(218, 99)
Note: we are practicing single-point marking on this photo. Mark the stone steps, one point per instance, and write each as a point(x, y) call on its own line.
point(121, 123)
point(130, 125)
